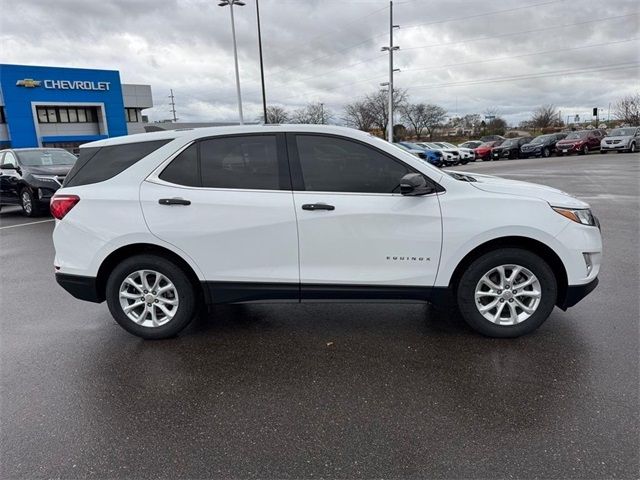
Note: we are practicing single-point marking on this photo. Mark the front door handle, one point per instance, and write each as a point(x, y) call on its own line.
point(317, 206)
point(174, 201)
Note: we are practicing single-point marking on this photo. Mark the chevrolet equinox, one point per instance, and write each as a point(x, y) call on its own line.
point(160, 223)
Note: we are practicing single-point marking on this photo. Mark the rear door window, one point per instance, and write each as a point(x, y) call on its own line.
point(97, 164)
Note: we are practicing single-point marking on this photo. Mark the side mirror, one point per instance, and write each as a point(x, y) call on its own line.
point(414, 184)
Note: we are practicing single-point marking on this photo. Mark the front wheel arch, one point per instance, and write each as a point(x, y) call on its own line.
point(534, 246)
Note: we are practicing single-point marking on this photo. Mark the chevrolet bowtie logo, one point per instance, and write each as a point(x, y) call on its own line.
point(28, 82)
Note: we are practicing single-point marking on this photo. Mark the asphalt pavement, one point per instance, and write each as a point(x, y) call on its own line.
point(322, 390)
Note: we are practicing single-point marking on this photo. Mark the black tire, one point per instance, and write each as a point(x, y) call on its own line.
point(186, 310)
point(470, 278)
point(29, 204)
point(584, 150)
point(632, 147)
point(546, 153)
point(603, 151)
point(464, 162)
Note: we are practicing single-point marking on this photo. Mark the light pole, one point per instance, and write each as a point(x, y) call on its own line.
point(231, 3)
point(264, 96)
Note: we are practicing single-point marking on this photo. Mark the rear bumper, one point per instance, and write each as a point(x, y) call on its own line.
point(81, 287)
point(575, 293)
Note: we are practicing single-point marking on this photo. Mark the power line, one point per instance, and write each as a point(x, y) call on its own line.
point(522, 32)
point(599, 68)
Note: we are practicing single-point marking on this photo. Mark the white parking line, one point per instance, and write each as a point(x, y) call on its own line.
point(25, 224)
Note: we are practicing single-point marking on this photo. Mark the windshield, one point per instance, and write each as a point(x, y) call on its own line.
point(487, 144)
point(508, 143)
point(39, 158)
point(541, 139)
point(575, 135)
point(623, 132)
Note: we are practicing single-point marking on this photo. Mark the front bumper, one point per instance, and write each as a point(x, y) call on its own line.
point(617, 146)
point(575, 293)
point(81, 287)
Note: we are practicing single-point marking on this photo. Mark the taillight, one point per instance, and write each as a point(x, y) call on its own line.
point(62, 204)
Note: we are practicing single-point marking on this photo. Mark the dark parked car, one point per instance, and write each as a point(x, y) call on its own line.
point(542, 146)
point(30, 176)
point(580, 142)
point(510, 148)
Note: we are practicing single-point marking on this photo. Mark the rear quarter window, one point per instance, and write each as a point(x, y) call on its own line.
point(97, 164)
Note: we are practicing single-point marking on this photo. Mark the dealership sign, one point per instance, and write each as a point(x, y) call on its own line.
point(64, 84)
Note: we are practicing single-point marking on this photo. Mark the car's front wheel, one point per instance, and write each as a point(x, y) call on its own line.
point(632, 147)
point(29, 203)
point(507, 293)
point(151, 297)
point(585, 150)
point(546, 153)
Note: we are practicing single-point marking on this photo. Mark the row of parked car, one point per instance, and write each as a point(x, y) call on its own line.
point(495, 147)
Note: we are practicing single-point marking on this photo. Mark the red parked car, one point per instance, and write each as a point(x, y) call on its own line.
point(580, 142)
point(483, 152)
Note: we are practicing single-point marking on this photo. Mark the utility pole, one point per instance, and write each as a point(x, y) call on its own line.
point(173, 106)
point(322, 113)
point(390, 49)
point(264, 96)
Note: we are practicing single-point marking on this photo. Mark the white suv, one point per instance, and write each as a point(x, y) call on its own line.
point(160, 223)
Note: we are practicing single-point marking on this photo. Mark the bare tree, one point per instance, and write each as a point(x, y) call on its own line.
point(277, 114)
point(378, 104)
point(359, 115)
point(313, 113)
point(494, 124)
point(422, 117)
point(545, 116)
point(627, 109)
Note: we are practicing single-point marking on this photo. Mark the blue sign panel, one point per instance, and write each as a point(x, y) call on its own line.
point(21, 85)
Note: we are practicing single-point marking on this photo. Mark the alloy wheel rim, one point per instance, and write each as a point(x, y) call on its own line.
point(26, 202)
point(148, 298)
point(508, 294)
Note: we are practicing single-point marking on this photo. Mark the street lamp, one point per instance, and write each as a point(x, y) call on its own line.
point(230, 4)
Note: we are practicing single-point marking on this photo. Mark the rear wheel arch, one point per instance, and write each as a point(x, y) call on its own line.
point(122, 253)
point(529, 244)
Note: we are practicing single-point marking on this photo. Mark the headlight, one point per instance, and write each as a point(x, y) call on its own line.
point(581, 215)
point(45, 178)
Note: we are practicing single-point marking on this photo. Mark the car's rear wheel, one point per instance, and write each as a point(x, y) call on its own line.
point(29, 203)
point(151, 297)
point(546, 153)
point(507, 293)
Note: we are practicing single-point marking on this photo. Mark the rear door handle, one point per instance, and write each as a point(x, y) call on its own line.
point(174, 201)
point(317, 206)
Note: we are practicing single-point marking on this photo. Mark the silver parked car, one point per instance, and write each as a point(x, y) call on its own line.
point(625, 139)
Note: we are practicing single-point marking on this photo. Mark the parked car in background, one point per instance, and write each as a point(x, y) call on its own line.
point(483, 152)
point(492, 138)
point(158, 224)
point(30, 176)
point(580, 142)
point(542, 145)
point(510, 148)
point(433, 156)
point(472, 144)
point(625, 139)
point(466, 154)
point(449, 157)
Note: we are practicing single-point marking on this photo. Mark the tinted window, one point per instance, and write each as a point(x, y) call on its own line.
point(336, 165)
point(249, 162)
point(183, 170)
point(102, 163)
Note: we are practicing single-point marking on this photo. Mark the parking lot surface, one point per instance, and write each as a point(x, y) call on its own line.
point(322, 390)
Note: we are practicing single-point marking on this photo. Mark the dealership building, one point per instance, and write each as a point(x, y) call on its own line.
point(66, 107)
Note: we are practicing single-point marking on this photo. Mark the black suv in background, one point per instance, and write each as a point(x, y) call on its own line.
point(30, 176)
point(541, 146)
point(510, 148)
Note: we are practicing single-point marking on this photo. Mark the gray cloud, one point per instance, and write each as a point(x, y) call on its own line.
point(329, 51)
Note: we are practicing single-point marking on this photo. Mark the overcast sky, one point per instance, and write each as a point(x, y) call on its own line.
point(462, 55)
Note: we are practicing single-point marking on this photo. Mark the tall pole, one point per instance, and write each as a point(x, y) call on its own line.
point(235, 59)
point(322, 113)
point(390, 125)
point(264, 96)
point(173, 106)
